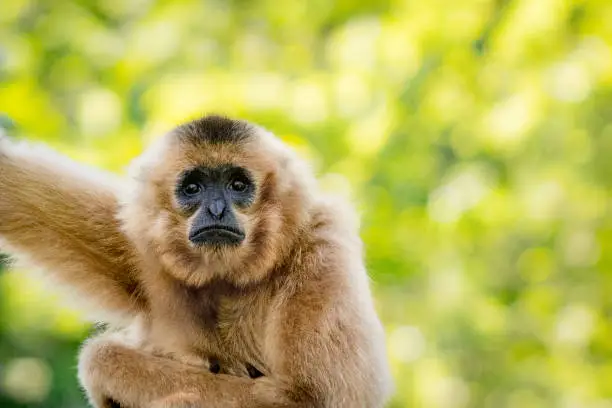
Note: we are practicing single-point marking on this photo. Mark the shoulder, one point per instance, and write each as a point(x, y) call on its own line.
point(326, 266)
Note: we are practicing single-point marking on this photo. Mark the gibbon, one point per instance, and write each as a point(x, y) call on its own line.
point(226, 278)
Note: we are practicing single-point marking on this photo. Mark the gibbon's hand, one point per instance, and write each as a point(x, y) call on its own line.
point(187, 359)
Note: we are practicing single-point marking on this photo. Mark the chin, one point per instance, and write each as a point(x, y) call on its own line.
point(205, 263)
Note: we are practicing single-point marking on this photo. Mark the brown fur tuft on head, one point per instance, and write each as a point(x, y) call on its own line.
point(272, 222)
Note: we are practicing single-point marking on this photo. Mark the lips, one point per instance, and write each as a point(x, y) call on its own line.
point(216, 234)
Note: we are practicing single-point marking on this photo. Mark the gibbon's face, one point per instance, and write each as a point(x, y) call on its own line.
point(217, 199)
point(213, 195)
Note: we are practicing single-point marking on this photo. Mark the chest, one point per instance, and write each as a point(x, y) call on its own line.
point(227, 329)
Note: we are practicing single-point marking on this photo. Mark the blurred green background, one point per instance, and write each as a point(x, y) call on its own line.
point(475, 137)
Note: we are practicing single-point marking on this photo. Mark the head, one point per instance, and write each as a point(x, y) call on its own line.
point(217, 198)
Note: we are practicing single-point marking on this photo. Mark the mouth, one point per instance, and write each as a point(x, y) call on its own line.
point(216, 235)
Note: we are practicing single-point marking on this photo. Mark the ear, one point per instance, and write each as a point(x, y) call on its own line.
point(141, 166)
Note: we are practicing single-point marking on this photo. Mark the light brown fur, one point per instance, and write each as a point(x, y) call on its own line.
point(292, 301)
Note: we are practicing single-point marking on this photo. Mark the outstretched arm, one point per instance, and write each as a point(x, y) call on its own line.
point(60, 216)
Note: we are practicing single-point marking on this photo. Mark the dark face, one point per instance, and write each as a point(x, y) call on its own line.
point(212, 195)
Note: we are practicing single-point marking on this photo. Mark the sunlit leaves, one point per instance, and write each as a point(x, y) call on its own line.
point(475, 137)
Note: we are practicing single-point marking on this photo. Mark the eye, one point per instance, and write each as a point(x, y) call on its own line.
point(238, 186)
point(192, 189)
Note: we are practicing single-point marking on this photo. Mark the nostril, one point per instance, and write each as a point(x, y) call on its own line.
point(217, 207)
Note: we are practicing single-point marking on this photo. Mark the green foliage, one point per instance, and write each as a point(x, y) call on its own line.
point(475, 136)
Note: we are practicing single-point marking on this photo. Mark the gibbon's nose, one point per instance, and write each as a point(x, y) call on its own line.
point(217, 208)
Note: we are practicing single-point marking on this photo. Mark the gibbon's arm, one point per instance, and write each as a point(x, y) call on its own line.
point(60, 216)
point(112, 371)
